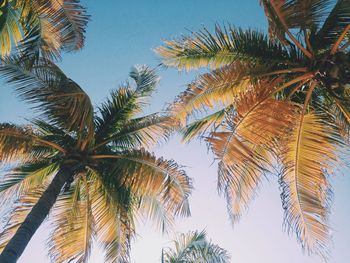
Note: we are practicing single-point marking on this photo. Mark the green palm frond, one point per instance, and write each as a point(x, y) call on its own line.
point(308, 156)
point(334, 25)
point(194, 247)
point(74, 222)
point(42, 28)
point(10, 29)
point(26, 176)
point(143, 131)
point(20, 210)
point(225, 47)
point(114, 225)
point(126, 102)
point(201, 127)
point(56, 96)
point(152, 176)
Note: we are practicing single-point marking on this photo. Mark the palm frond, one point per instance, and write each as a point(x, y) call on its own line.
point(334, 25)
point(56, 96)
point(112, 217)
point(295, 14)
point(154, 208)
point(194, 247)
point(20, 211)
point(10, 29)
point(225, 47)
point(200, 127)
point(219, 87)
point(126, 102)
point(144, 174)
point(25, 177)
point(143, 131)
point(16, 142)
point(309, 152)
point(239, 183)
point(71, 238)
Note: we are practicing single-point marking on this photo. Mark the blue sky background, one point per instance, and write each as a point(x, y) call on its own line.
point(123, 33)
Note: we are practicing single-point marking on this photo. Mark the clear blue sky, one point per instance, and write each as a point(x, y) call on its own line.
point(123, 33)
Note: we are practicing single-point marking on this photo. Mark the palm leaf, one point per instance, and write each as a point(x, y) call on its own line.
point(152, 176)
point(334, 25)
point(224, 47)
point(126, 102)
point(20, 211)
point(200, 127)
point(71, 238)
point(114, 226)
point(57, 97)
point(143, 131)
point(309, 152)
point(194, 247)
point(10, 30)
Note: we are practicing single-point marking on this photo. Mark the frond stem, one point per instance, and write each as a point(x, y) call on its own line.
point(340, 39)
point(285, 27)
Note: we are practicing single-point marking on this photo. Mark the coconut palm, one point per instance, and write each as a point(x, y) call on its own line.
point(41, 27)
point(275, 101)
point(91, 167)
point(194, 247)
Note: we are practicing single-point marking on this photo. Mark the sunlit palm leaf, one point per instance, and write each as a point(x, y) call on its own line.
point(16, 142)
point(224, 48)
point(218, 87)
point(152, 176)
point(56, 96)
point(143, 131)
point(309, 152)
point(21, 209)
point(200, 127)
point(25, 177)
point(114, 227)
point(126, 102)
point(333, 26)
point(71, 238)
point(194, 247)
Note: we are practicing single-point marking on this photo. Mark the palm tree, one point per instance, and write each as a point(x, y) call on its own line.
point(194, 247)
point(92, 168)
point(276, 101)
point(41, 27)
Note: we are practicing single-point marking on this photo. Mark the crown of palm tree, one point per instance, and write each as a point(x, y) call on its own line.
point(278, 99)
point(42, 27)
point(194, 247)
point(111, 179)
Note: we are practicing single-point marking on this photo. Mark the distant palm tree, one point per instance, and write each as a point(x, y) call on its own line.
point(43, 27)
point(279, 99)
point(194, 247)
point(91, 167)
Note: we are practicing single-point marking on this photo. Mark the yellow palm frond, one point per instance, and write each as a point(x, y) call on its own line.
point(112, 225)
point(17, 142)
point(20, 211)
point(201, 126)
point(154, 208)
point(24, 179)
point(239, 182)
point(73, 222)
point(219, 87)
point(309, 151)
point(154, 176)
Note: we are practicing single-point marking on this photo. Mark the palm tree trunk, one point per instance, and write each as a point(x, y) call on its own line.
point(36, 216)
